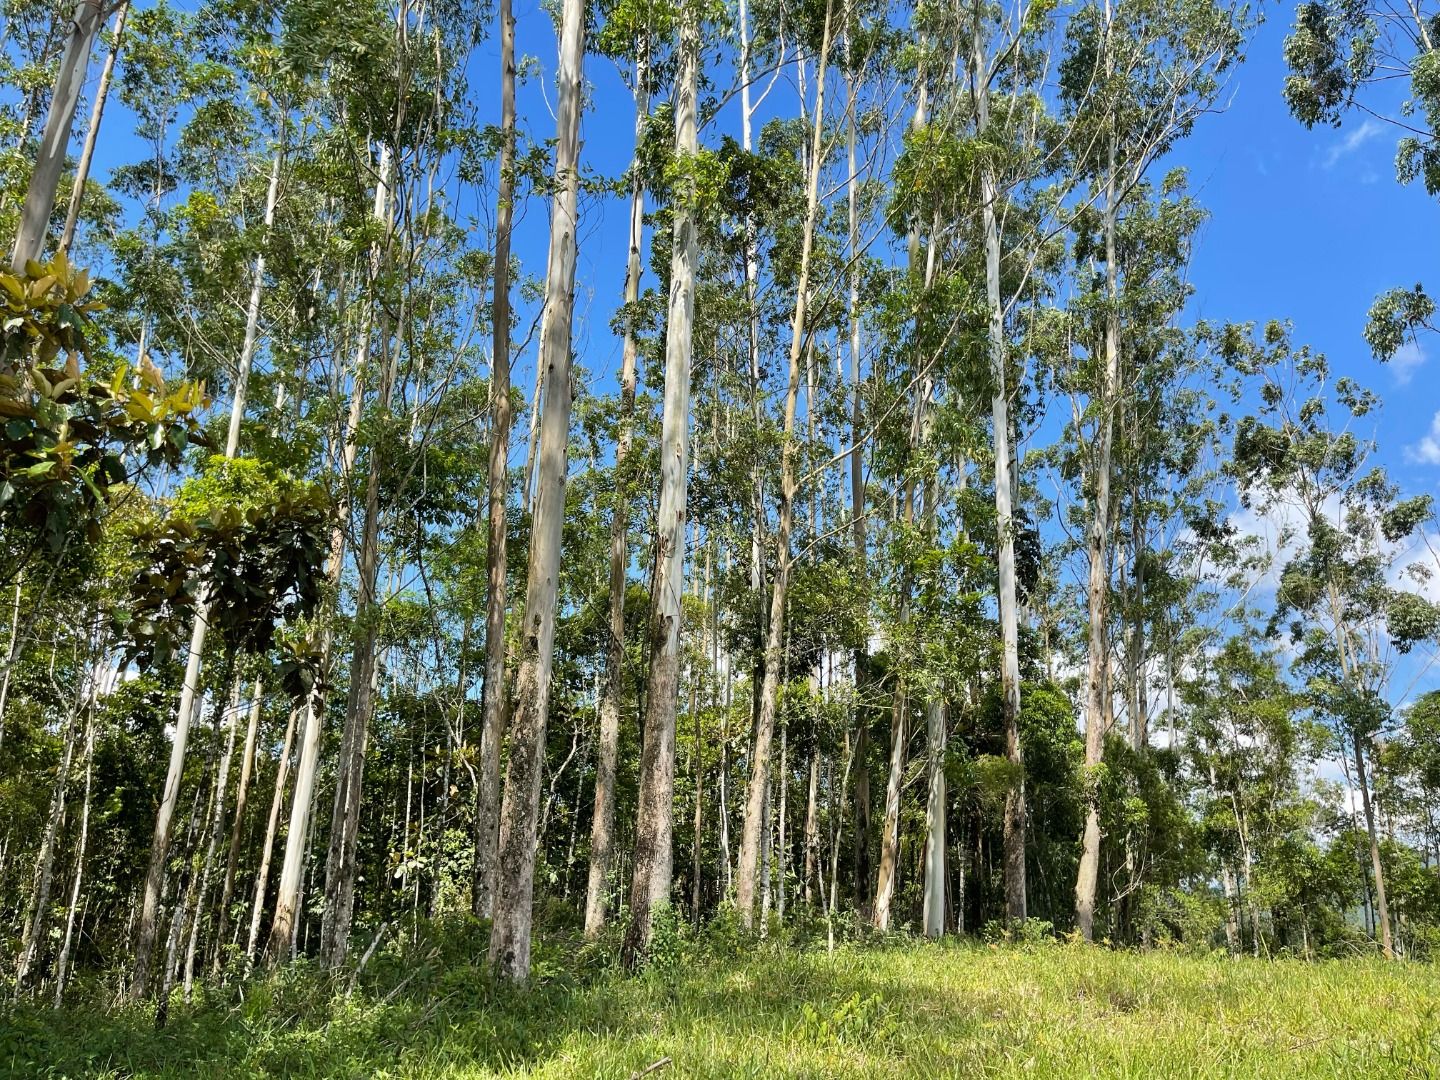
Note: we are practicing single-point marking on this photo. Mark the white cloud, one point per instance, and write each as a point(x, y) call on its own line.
point(1277, 530)
point(1427, 450)
point(1357, 138)
point(1406, 359)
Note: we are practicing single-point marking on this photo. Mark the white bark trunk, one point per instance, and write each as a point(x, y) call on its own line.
point(755, 817)
point(510, 932)
point(653, 868)
point(45, 179)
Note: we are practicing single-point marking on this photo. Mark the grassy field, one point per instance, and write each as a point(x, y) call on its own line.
point(899, 1010)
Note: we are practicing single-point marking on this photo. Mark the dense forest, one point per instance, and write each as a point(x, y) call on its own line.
point(866, 545)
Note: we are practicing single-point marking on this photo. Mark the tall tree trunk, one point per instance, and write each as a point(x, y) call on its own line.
point(242, 791)
point(190, 688)
point(45, 179)
point(933, 908)
point(160, 843)
point(697, 768)
point(12, 649)
point(654, 825)
point(492, 725)
point(277, 801)
point(857, 511)
point(602, 831)
point(510, 933)
point(1098, 585)
point(216, 827)
point(1014, 820)
point(769, 693)
point(890, 826)
point(340, 859)
point(340, 865)
point(45, 858)
point(782, 846)
point(252, 313)
point(62, 964)
point(97, 112)
point(812, 830)
point(1382, 906)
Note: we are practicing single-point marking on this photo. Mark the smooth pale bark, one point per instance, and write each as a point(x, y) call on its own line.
point(753, 372)
point(696, 766)
point(242, 791)
point(160, 843)
point(1014, 811)
point(297, 838)
point(602, 830)
point(888, 867)
point(812, 830)
point(62, 963)
point(252, 313)
point(492, 724)
point(277, 802)
point(170, 964)
point(340, 868)
point(1098, 583)
point(723, 786)
point(12, 649)
point(216, 827)
point(50, 160)
point(97, 112)
point(1382, 904)
point(45, 858)
point(890, 824)
point(861, 861)
point(782, 820)
point(933, 904)
point(654, 825)
point(190, 688)
point(1135, 643)
point(515, 884)
point(1344, 644)
point(755, 800)
point(767, 843)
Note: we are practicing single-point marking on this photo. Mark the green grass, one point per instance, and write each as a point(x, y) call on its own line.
point(901, 1010)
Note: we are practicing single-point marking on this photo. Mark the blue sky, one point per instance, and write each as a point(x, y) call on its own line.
point(1306, 225)
point(1310, 226)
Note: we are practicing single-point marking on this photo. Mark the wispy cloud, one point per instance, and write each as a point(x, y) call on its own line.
point(1427, 450)
point(1406, 359)
point(1355, 139)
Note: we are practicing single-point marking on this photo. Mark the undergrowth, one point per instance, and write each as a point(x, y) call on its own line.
point(721, 1004)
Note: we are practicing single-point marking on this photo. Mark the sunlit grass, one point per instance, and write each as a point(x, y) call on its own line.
point(911, 1010)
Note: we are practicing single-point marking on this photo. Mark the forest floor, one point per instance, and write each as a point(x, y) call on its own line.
point(893, 1010)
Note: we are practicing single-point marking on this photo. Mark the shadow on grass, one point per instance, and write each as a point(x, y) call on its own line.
point(431, 1009)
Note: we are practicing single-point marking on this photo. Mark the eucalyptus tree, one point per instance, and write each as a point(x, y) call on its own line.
point(654, 826)
point(1248, 743)
point(92, 133)
point(30, 234)
point(191, 687)
point(1135, 76)
point(1017, 150)
point(631, 31)
point(487, 805)
point(1347, 607)
point(755, 802)
point(510, 936)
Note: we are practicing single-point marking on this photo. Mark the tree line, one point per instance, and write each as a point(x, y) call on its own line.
point(890, 547)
